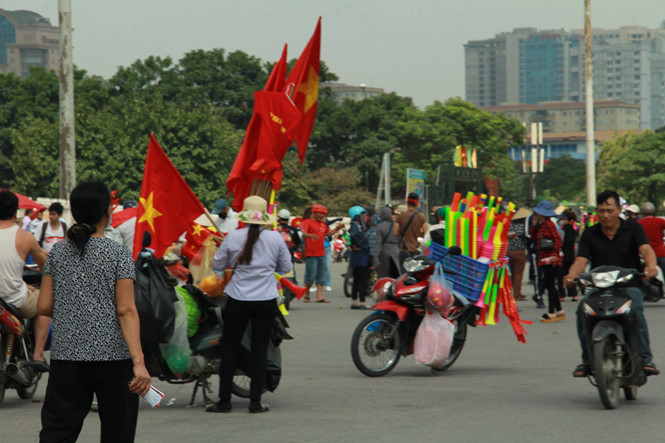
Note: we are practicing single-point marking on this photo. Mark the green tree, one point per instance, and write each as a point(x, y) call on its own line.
point(564, 178)
point(634, 165)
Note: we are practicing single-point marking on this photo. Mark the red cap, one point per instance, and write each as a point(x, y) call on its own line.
point(319, 208)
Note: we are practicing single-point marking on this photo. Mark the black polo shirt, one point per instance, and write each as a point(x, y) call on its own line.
point(621, 251)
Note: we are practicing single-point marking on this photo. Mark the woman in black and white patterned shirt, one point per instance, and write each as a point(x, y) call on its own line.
point(88, 289)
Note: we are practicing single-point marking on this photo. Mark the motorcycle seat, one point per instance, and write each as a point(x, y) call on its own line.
point(11, 308)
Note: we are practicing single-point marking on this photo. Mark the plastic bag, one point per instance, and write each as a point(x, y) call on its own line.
point(433, 340)
point(176, 352)
point(193, 310)
point(154, 298)
point(440, 292)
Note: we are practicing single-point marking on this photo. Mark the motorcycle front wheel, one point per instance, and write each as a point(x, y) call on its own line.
point(606, 360)
point(374, 348)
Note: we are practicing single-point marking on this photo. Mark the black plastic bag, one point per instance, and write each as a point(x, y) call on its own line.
point(154, 298)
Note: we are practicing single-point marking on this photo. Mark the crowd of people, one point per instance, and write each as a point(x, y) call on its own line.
point(90, 260)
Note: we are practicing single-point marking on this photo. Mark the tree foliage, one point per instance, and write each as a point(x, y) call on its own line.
point(199, 107)
point(634, 165)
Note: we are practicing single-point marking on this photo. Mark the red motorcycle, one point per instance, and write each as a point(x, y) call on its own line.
point(384, 336)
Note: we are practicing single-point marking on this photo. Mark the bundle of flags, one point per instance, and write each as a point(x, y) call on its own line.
point(284, 112)
point(476, 225)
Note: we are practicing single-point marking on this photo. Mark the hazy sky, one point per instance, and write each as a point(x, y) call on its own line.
point(412, 47)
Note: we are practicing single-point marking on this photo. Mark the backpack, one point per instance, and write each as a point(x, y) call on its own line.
point(45, 227)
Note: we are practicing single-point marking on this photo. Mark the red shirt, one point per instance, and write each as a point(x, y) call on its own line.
point(546, 229)
point(654, 226)
point(314, 248)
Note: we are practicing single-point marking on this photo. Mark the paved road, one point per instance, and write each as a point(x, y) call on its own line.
point(498, 391)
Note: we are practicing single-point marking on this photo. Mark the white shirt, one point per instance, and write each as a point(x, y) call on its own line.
point(230, 223)
point(256, 281)
point(12, 287)
point(52, 236)
point(35, 226)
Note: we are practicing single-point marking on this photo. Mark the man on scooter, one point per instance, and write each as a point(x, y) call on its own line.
point(613, 241)
point(15, 246)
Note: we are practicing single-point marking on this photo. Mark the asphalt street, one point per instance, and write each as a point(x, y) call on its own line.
point(499, 390)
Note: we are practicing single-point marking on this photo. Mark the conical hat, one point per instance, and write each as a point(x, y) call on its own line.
point(521, 213)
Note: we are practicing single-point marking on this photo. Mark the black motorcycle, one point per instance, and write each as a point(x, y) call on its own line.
point(611, 333)
point(155, 296)
point(17, 340)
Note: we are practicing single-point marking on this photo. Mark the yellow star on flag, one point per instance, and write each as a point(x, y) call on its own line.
point(310, 88)
point(150, 212)
point(197, 230)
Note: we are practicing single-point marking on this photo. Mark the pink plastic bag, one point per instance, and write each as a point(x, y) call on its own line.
point(440, 292)
point(433, 340)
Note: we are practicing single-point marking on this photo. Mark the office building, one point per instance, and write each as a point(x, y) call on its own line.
point(27, 39)
point(528, 66)
point(341, 92)
point(560, 116)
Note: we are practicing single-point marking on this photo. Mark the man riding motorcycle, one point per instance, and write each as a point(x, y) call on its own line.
point(613, 241)
point(15, 245)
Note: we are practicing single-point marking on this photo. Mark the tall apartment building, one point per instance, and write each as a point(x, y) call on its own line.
point(629, 65)
point(27, 39)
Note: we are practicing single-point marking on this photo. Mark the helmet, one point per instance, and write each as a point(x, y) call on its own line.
point(284, 214)
point(356, 210)
point(648, 208)
point(319, 208)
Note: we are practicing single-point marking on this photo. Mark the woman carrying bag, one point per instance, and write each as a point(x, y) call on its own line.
point(255, 255)
point(548, 242)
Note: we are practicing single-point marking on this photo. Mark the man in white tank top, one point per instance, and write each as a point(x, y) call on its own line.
point(15, 245)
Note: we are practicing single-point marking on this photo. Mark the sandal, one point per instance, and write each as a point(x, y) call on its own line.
point(583, 370)
point(323, 300)
point(650, 369)
point(547, 319)
point(306, 300)
point(561, 315)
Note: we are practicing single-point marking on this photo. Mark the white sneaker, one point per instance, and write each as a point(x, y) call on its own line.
point(312, 289)
point(328, 288)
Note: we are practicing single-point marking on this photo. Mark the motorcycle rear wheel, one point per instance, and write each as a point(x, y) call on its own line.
point(459, 338)
point(604, 371)
point(373, 349)
point(241, 382)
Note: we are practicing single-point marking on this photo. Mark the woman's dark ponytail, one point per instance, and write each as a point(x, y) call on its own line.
point(79, 234)
point(245, 256)
point(90, 201)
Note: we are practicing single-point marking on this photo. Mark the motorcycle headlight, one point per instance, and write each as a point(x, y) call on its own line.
point(604, 279)
point(413, 265)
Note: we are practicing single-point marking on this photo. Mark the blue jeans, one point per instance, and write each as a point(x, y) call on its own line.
point(315, 270)
point(637, 296)
point(328, 260)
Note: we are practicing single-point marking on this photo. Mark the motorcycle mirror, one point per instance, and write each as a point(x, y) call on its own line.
point(147, 239)
point(454, 250)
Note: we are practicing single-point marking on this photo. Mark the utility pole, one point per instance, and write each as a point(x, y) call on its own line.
point(590, 139)
point(66, 80)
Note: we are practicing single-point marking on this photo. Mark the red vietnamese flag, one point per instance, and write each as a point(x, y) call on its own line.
point(278, 118)
point(240, 178)
point(167, 206)
point(303, 80)
point(196, 235)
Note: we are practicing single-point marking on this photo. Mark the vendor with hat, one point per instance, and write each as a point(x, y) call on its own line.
point(548, 243)
point(254, 254)
point(226, 221)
